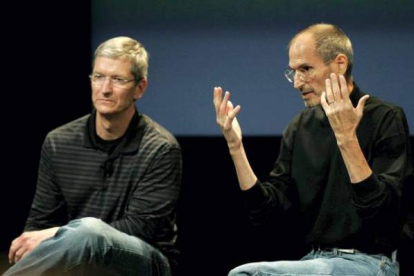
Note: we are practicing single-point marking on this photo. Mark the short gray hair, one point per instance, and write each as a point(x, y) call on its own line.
point(330, 41)
point(126, 47)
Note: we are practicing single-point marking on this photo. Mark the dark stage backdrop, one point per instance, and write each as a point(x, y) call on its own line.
point(47, 63)
point(241, 46)
point(237, 44)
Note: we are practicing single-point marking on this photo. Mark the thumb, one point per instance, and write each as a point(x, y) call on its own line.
point(361, 104)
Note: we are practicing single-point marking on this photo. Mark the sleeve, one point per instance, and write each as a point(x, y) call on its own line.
point(277, 193)
point(48, 208)
point(391, 164)
point(150, 213)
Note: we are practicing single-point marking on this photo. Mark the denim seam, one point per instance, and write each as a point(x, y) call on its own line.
point(132, 253)
point(119, 249)
point(290, 274)
point(354, 265)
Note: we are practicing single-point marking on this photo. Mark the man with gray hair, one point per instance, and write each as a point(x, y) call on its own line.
point(108, 182)
point(341, 169)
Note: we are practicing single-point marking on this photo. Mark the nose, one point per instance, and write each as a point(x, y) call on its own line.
point(106, 86)
point(298, 82)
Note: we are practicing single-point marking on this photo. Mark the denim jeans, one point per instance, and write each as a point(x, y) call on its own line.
point(88, 246)
point(323, 263)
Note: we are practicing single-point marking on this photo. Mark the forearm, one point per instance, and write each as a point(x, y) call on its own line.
point(244, 171)
point(354, 159)
point(45, 212)
point(48, 208)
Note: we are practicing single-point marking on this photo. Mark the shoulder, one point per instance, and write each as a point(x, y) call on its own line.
point(383, 121)
point(69, 133)
point(383, 113)
point(293, 124)
point(377, 106)
point(155, 135)
point(376, 109)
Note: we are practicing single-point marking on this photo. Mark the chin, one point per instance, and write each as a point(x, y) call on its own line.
point(312, 103)
point(104, 111)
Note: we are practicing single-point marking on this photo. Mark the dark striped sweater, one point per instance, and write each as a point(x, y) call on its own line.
point(134, 189)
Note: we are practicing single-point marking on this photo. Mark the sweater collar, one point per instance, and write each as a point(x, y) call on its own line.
point(130, 141)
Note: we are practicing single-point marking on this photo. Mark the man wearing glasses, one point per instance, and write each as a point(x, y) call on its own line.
point(342, 165)
point(107, 184)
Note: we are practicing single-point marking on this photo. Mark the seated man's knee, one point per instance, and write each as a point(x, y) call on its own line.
point(85, 232)
point(87, 224)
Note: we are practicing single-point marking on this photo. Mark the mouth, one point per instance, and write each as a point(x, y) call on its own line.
point(105, 100)
point(306, 94)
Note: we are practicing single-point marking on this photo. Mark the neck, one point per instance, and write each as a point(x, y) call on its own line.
point(111, 127)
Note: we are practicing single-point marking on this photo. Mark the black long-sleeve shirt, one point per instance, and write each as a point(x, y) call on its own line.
point(310, 175)
point(134, 187)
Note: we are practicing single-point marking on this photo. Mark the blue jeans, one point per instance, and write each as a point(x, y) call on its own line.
point(323, 263)
point(88, 246)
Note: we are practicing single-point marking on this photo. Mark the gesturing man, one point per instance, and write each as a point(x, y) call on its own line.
point(343, 163)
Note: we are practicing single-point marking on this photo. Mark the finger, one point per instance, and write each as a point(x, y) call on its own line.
point(344, 88)
point(217, 97)
point(18, 255)
point(15, 245)
point(232, 113)
point(360, 106)
point(11, 255)
point(218, 93)
point(223, 106)
point(329, 96)
point(229, 106)
point(324, 104)
point(336, 90)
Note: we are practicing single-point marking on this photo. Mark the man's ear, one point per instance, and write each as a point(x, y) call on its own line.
point(341, 62)
point(140, 88)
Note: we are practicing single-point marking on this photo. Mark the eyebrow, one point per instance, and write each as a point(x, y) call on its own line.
point(301, 66)
point(111, 76)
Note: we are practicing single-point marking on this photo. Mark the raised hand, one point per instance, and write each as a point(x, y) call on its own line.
point(342, 116)
point(226, 118)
